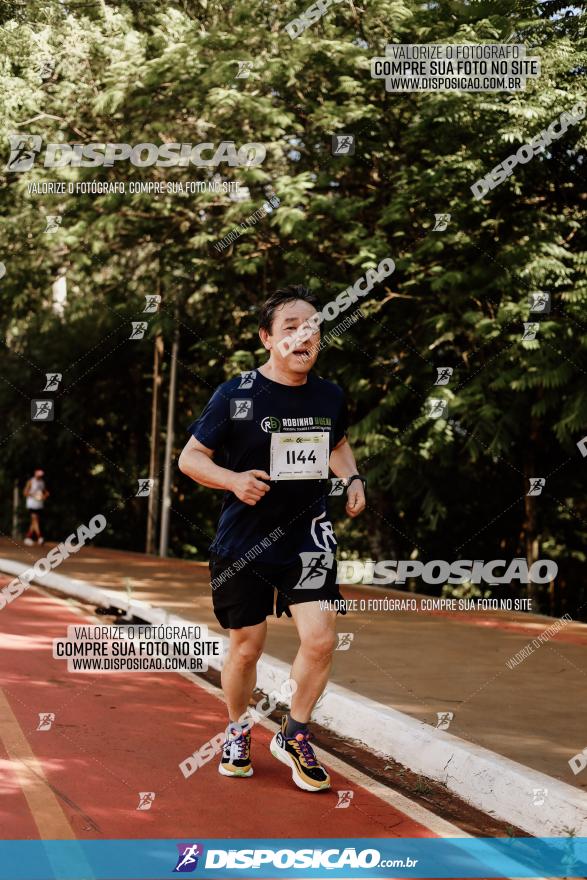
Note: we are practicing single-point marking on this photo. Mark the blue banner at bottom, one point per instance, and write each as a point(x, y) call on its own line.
point(297, 858)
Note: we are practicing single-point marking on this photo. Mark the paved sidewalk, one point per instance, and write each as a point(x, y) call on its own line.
point(420, 663)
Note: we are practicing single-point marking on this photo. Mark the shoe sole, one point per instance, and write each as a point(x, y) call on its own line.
point(242, 775)
point(282, 756)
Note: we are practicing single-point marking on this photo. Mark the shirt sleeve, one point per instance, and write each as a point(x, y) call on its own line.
point(341, 423)
point(212, 428)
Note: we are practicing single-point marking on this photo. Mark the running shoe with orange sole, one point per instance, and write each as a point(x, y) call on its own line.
point(297, 753)
point(236, 753)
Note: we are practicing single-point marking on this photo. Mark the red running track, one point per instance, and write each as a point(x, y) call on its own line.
point(116, 735)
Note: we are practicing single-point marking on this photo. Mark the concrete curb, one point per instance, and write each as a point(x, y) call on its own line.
point(102, 597)
point(488, 781)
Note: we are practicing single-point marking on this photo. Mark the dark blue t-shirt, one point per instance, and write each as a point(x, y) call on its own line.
point(237, 423)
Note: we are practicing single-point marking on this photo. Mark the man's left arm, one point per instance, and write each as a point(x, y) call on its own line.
point(343, 464)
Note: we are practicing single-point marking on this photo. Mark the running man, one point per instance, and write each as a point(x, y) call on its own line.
point(36, 494)
point(273, 465)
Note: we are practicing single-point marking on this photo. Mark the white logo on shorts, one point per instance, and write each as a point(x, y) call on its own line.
point(326, 533)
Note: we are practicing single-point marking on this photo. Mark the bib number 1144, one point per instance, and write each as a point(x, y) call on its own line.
point(291, 456)
point(299, 455)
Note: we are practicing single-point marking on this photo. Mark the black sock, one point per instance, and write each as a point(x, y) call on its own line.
point(292, 727)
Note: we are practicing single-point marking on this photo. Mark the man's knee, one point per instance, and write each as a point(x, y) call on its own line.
point(319, 644)
point(246, 653)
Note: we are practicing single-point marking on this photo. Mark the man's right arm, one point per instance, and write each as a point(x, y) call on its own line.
point(196, 462)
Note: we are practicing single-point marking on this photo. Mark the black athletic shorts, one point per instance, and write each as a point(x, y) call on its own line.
point(244, 595)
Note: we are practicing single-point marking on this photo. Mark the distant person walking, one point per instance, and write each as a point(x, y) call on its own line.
point(36, 494)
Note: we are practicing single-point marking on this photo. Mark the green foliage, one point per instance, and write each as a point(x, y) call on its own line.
point(162, 71)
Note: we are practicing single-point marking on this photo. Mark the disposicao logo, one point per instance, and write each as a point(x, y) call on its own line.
point(24, 149)
point(188, 855)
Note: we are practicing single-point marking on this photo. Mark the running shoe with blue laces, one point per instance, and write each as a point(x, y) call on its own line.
point(298, 754)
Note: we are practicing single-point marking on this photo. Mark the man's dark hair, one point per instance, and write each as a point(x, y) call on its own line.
point(282, 296)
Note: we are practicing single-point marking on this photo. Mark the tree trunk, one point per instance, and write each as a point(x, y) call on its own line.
point(153, 511)
point(530, 527)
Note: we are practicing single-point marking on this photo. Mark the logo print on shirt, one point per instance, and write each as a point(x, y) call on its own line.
point(326, 533)
point(270, 424)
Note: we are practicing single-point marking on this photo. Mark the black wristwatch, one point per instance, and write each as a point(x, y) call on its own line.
point(349, 480)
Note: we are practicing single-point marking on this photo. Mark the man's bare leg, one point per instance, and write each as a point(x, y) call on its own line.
point(239, 673)
point(311, 667)
point(310, 671)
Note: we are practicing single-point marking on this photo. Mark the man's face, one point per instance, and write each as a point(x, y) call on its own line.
point(287, 319)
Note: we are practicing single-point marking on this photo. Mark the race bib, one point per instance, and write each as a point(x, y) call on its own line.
point(299, 455)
